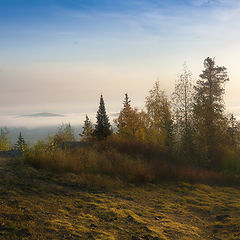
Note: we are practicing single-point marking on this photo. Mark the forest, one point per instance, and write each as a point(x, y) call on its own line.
point(189, 136)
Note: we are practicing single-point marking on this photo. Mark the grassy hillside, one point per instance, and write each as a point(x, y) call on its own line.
point(36, 204)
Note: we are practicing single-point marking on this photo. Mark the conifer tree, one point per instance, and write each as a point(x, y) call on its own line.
point(103, 126)
point(20, 144)
point(126, 102)
point(209, 109)
point(123, 121)
point(87, 128)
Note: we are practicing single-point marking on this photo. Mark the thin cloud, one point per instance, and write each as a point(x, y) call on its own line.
point(131, 46)
point(200, 2)
point(153, 20)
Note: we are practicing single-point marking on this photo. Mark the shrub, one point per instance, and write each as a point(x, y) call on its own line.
point(112, 163)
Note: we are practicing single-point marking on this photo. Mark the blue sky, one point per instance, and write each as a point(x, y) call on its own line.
point(62, 54)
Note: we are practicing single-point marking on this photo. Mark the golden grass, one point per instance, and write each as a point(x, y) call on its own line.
point(38, 204)
point(104, 164)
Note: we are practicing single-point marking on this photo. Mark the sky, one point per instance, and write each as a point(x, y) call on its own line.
point(60, 55)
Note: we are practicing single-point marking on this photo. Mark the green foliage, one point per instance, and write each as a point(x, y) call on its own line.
point(65, 134)
point(103, 126)
point(4, 140)
point(233, 131)
point(43, 146)
point(209, 109)
point(21, 144)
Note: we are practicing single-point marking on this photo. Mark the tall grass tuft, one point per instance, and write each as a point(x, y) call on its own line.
point(117, 161)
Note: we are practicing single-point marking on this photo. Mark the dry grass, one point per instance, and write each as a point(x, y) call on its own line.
point(92, 162)
point(119, 164)
point(38, 204)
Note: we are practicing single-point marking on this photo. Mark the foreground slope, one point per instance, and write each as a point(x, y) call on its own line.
point(40, 205)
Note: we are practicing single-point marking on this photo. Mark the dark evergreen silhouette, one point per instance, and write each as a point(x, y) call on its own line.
point(103, 126)
point(20, 144)
point(126, 102)
point(209, 108)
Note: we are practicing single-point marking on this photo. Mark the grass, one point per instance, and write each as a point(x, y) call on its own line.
point(103, 163)
point(40, 204)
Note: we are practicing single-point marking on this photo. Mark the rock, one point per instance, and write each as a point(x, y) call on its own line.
point(93, 225)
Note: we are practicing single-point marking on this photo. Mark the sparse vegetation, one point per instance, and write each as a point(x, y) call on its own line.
point(5, 143)
point(190, 134)
point(38, 204)
point(143, 181)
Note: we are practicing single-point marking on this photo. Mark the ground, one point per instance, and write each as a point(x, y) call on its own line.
point(35, 204)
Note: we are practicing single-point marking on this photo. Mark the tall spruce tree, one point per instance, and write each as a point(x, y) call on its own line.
point(103, 126)
point(209, 109)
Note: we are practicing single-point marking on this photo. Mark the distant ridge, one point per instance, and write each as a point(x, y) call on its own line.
point(43, 114)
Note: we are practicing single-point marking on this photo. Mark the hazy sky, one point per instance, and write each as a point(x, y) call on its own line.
point(60, 55)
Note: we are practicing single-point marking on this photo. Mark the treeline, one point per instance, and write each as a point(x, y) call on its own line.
point(192, 126)
point(190, 129)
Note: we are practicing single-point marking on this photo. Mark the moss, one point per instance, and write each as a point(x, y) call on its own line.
point(42, 205)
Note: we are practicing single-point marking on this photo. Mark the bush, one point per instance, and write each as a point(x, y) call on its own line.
point(116, 164)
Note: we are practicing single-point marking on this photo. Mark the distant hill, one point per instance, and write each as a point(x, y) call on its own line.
point(43, 114)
